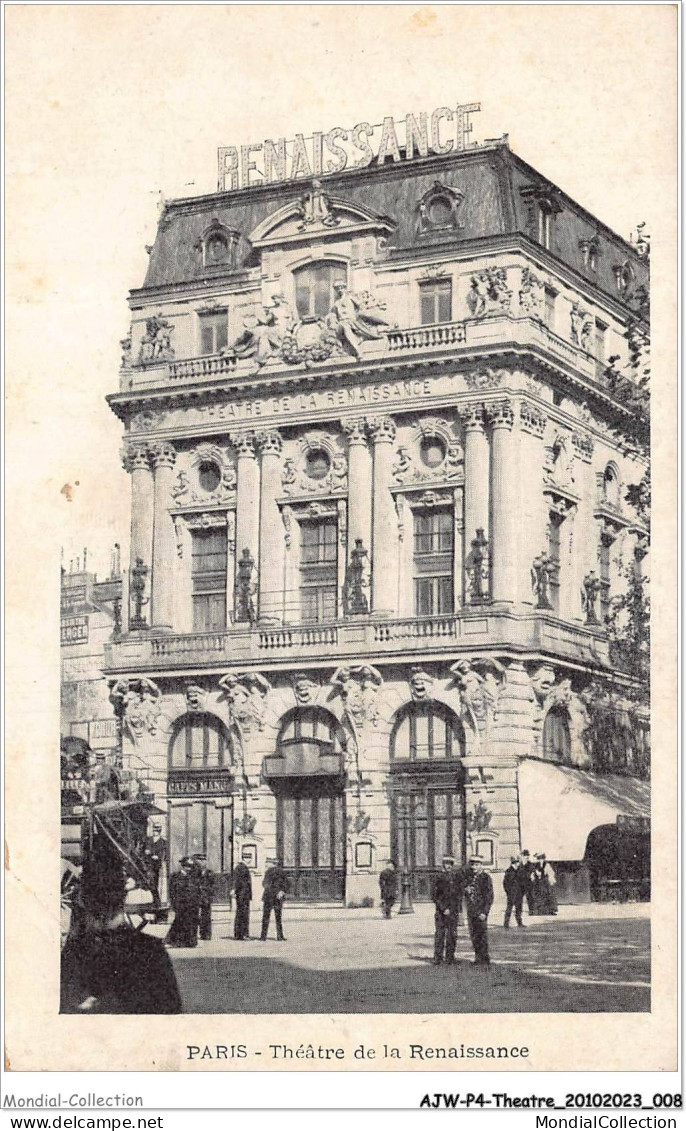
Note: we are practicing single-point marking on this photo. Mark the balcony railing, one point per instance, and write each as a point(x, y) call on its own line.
point(333, 642)
point(493, 330)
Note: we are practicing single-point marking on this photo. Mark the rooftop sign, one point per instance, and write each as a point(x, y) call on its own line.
point(444, 131)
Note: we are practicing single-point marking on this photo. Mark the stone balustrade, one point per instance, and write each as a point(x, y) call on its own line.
point(486, 626)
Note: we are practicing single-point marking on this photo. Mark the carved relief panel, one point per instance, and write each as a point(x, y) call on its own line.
point(206, 477)
point(319, 466)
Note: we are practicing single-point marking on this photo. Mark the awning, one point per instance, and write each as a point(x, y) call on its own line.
point(559, 806)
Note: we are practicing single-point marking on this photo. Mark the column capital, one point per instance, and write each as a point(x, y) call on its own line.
point(472, 416)
point(532, 419)
point(135, 457)
point(163, 454)
point(269, 443)
point(355, 429)
point(500, 414)
point(382, 429)
point(244, 443)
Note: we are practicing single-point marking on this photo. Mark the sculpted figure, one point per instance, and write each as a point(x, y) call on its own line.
point(355, 318)
point(264, 331)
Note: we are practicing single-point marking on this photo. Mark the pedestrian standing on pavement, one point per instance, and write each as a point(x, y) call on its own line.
point(242, 889)
point(545, 900)
point(388, 885)
point(527, 879)
point(205, 877)
point(478, 895)
point(512, 882)
point(184, 896)
point(274, 888)
point(447, 896)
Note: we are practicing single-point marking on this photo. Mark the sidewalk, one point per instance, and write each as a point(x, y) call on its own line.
point(590, 958)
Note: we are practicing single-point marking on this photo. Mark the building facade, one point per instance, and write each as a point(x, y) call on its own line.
point(378, 517)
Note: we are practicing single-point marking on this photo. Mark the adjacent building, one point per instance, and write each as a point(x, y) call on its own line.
point(379, 514)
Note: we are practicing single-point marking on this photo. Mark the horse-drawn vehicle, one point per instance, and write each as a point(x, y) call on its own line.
point(104, 810)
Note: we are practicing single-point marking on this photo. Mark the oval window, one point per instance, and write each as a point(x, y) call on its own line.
point(317, 464)
point(440, 211)
point(432, 451)
point(209, 475)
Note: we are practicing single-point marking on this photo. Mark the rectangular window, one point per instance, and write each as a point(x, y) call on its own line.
point(436, 301)
point(550, 296)
point(214, 331)
point(433, 563)
point(319, 570)
point(554, 525)
point(545, 225)
point(208, 576)
point(314, 289)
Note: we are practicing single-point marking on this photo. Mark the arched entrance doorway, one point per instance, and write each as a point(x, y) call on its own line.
point(200, 788)
point(306, 775)
point(427, 792)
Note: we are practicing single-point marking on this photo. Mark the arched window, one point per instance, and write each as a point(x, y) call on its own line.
point(427, 732)
point(557, 744)
point(198, 741)
point(311, 727)
point(611, 486)
point(314, 284)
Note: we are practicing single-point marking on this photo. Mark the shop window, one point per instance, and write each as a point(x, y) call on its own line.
point(314, 289)
point(436, 301)
point(427, 732)
point(208, 578)
point(557, 745)
point(318, 569)
point(433, 562)
point(214, 331)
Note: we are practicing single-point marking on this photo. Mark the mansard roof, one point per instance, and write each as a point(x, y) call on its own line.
point(496, 190)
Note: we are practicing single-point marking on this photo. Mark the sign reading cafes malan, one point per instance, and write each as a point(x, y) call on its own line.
point(443, 131)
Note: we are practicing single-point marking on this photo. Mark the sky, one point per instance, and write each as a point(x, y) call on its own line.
point(107, 107)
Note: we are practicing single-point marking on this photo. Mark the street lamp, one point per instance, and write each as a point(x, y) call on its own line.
point(406, 907)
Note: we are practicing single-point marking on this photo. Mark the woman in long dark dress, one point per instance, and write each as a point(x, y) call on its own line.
point(545, 900)
point(107, 966)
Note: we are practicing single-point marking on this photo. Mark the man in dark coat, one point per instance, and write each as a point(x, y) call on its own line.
point(205, 878)
point(388, 886)
point(526, 878)
point(242, 887)
point(155, 850)
point(478, 896)
point(447, 896)
point(184, 896)
point(107, 966)
point(512, 882)
point(274, 888)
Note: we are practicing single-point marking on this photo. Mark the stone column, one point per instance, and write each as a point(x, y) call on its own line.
point(532, 424)
point(359, 483)
point(136, 460)
point(505, 516)
point(163, 457)
point(271, 542)
point(384, 519)
point(247, 495)
point(476, 482)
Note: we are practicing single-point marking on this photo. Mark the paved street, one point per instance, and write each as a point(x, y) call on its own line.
point(594, 959)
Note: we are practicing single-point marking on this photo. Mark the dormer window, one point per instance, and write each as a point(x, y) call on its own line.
point(590, 253)
point(438, 209)
point(542, 208)
point(217, 246)
point(624, 277)
point(314, 288)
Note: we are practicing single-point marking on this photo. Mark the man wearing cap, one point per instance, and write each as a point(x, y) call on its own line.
point(447, 896)
point(184, 896)
point(205, 878)
point(388, 886)
point(478, 896)
point(155, 851)
point(274, 888)
point(514, 892)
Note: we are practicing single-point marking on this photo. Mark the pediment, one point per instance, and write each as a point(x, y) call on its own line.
point(316, 213)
